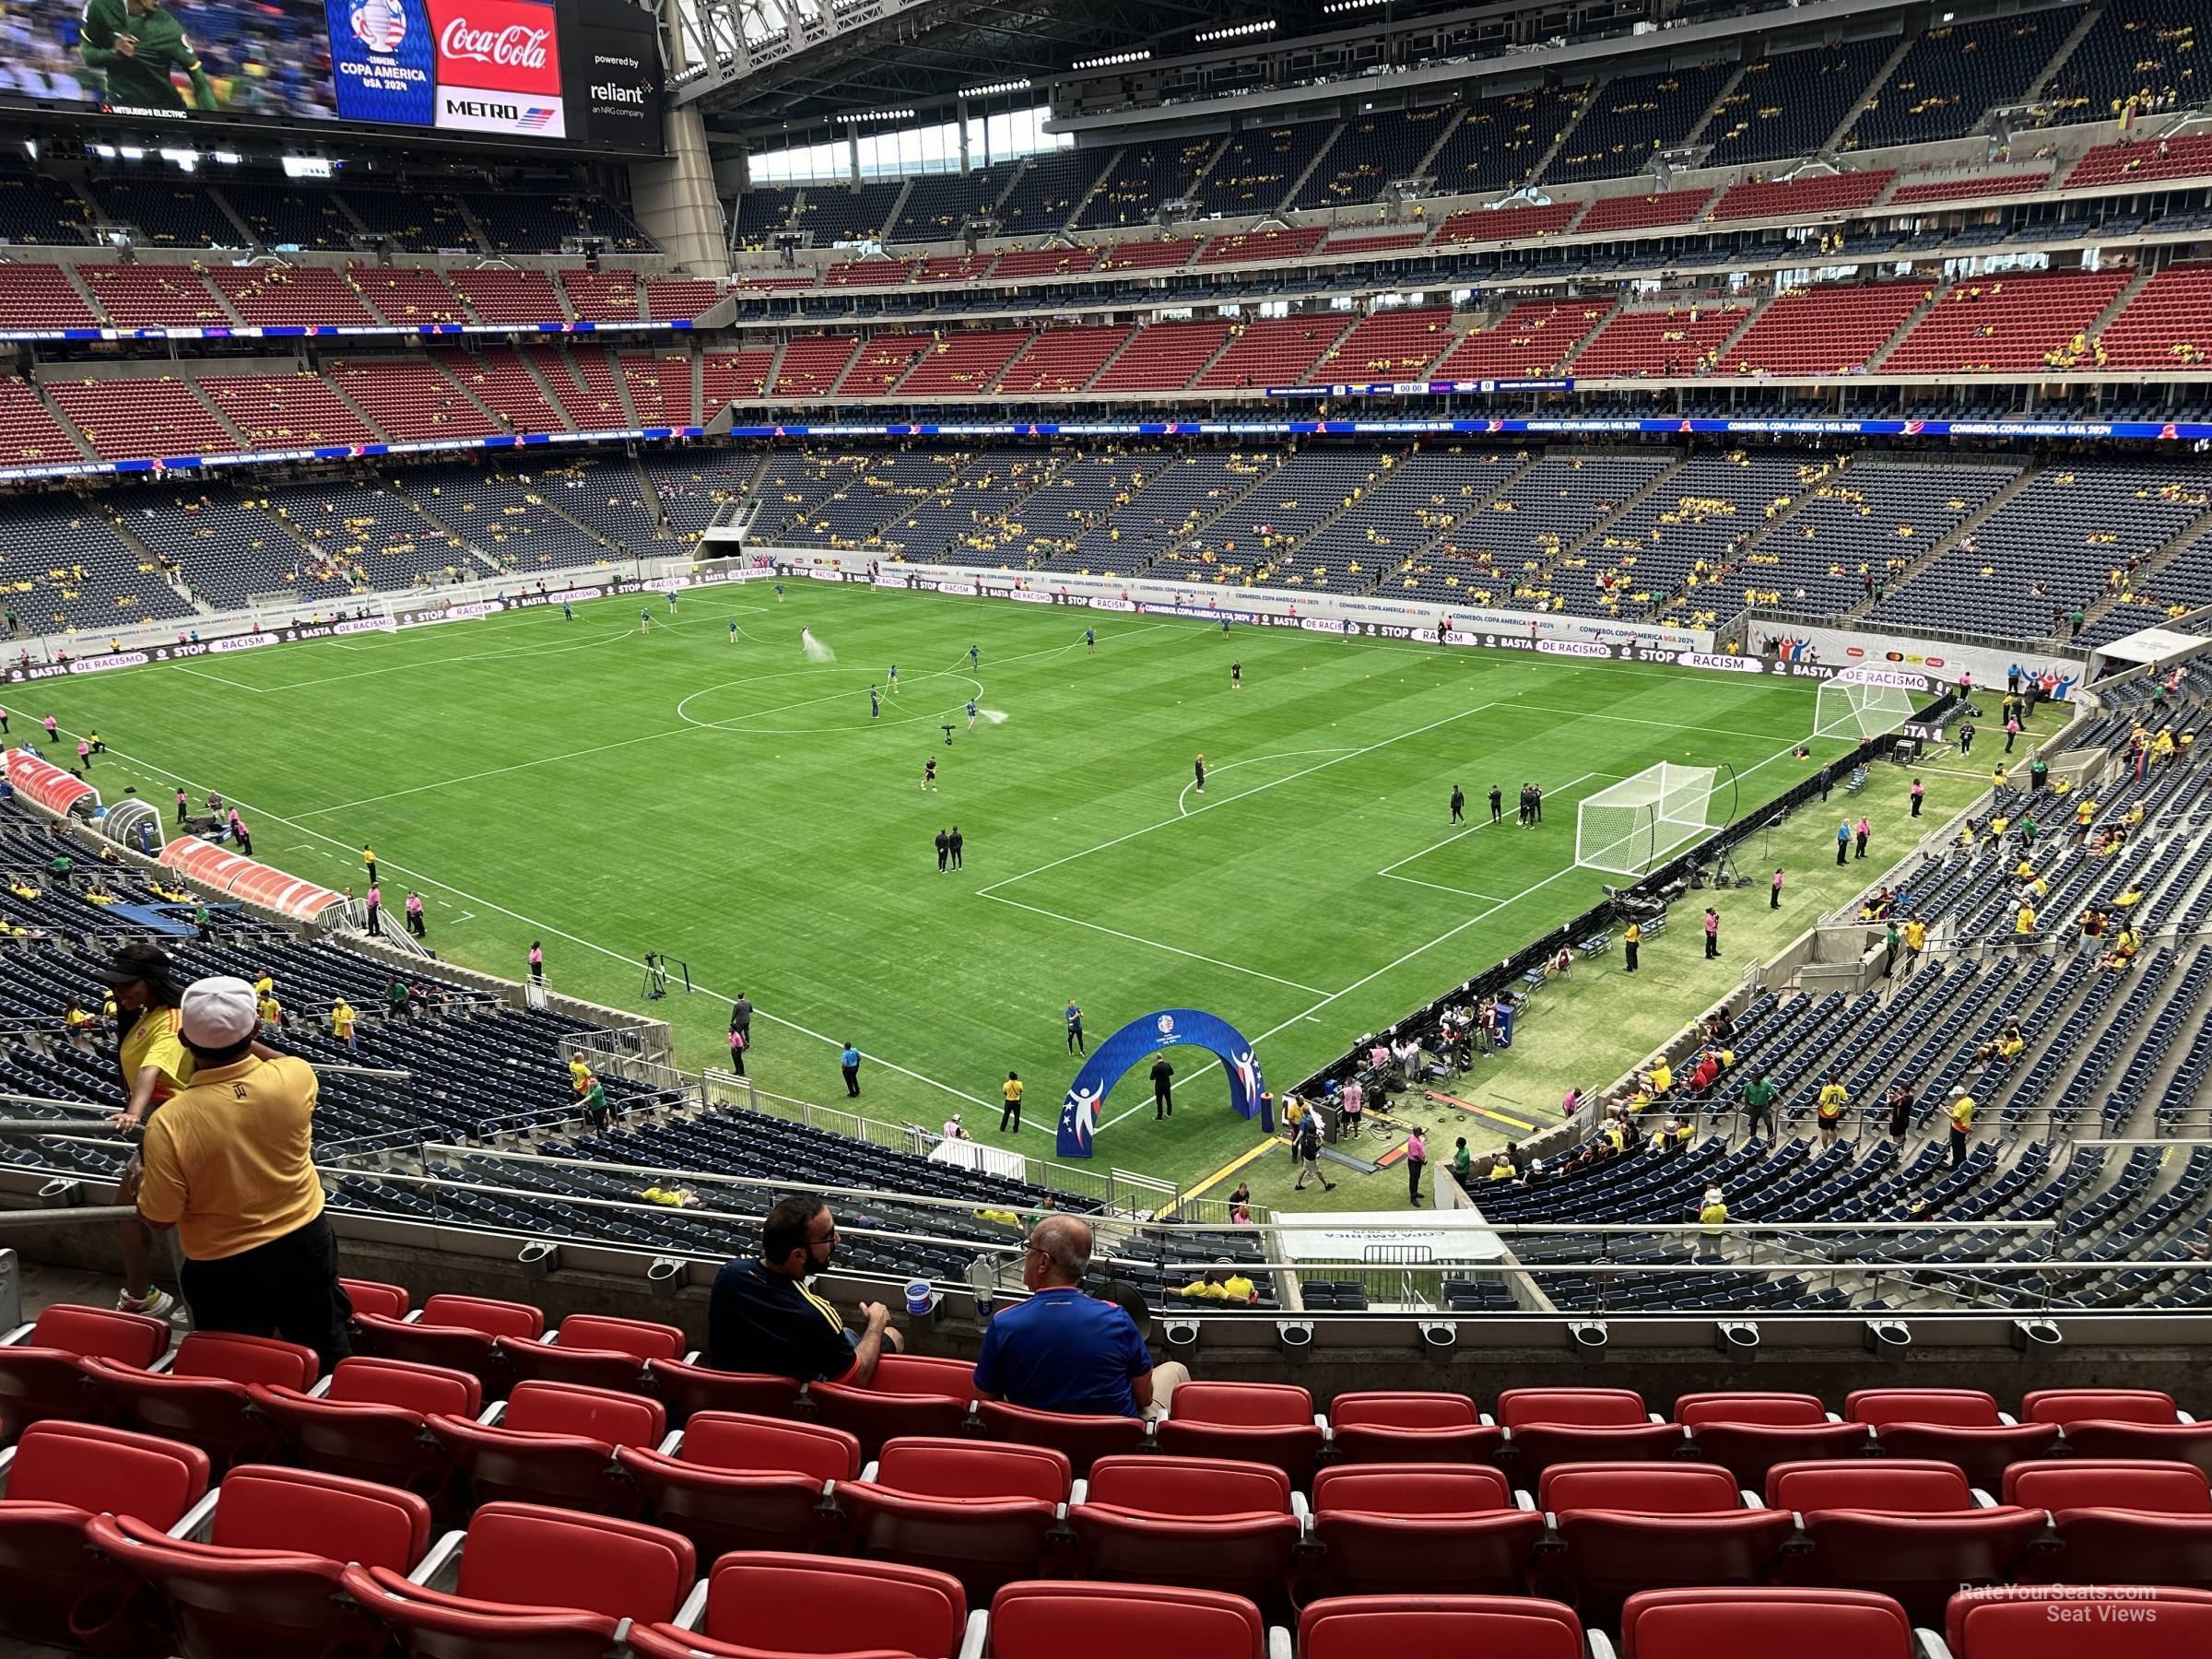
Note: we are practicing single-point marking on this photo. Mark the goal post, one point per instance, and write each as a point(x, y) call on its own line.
point(1853, 709)
point(1630, 826)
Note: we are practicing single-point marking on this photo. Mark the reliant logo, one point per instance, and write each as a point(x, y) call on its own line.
point(514, 46)
point(611, 93)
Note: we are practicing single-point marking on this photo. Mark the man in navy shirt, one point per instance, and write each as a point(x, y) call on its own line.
point(1062, 1350)
point(762, 1317)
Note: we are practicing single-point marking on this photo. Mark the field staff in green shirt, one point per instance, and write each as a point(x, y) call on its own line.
point(135, 44)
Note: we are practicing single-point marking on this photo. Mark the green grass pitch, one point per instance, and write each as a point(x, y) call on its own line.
point(727, 802)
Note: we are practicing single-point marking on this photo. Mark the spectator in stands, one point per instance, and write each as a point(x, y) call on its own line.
point(1712, 1218)
point(155, 1064)
point(848, 1059)
point(1917, 941)
point(1759, 1103)
point(227, 1164)
point(761, 1317)
point(1463, 1164)
point(1899, 1102)
point(1828, 1110)
point(1961, 1111)
point(342, 1017)
point(1064, 1351)
point(1221, 1283)
point(595, 1104)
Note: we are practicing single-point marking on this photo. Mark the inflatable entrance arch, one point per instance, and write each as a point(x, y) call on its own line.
point(1140, 1039)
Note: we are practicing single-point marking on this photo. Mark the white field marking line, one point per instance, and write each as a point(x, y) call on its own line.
point(689, 725)
point(1672, 726)
point(1253, 760)
point(1227, 800)
point(1486, 824)
point(1443, 938)
point(425, 879)
point(480, 656)
point(1154, 943)
point(219, 679)
point(1440, 887)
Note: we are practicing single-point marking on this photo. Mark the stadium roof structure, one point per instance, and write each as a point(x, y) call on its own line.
point(755, 63)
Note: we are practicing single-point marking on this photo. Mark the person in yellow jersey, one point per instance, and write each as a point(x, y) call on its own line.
point(1712, 1218)
point(1917, 941)
point(1830, 1106)
point(150, 1055)
point(342, 1020)
point(227, 1164)
point(1009, 1115)
point(2023, 920)
point(580, 1072)
point(1962, 1124)
point(1663, 1077)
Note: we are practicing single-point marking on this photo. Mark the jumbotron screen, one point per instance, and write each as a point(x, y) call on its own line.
point(583, 74)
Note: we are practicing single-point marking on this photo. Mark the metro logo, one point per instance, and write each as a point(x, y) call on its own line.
point(496, 46)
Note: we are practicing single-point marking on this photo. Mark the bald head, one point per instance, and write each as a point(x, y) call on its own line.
point(1063, 1241)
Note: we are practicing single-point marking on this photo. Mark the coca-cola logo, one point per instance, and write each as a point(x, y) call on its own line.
point(515, 45)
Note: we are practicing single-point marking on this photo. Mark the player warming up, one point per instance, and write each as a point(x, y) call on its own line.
point(1090, 640)
point(929, 775)
point(672, 602)
point(894, 679)
point(875, 704)
point(1235, 677)
point(645, 622)
point(733, 631)
point(1200, 767)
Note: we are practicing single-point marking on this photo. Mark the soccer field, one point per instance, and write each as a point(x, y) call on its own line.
point(729, 802)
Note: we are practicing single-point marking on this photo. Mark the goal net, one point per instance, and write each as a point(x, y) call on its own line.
point(1631, 825)
point(1853, 710)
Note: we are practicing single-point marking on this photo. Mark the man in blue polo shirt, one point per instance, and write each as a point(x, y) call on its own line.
point(761, 1317)
point(1062, 1350)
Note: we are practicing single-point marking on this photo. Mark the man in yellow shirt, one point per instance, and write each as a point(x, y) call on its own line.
point(154, 1065)
point(1917, 941)
point(579, 1073)
point(2024, 923)
point(1712, 1216)
point(1663, 1078)
point(1833, 1098)
point(1010, 1114)
point(1962, 1124)
point(342, 1017)
point(227, 1164)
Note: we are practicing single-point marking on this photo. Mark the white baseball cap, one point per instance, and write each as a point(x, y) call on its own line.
point(217, 1013)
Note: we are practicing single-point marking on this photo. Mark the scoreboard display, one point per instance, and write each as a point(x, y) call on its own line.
point(577, 75)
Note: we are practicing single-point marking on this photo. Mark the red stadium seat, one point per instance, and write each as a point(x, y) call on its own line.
point(371, 1422)
point(2118, 1523)
point(1248, 1422)
point(45, 1375)
point(2067, 1407)
point(2160, 1443)
point(1902, 1528)
point(202, 1399)
point(457, 1332)
point(1949, 1425)
point(908, 1395)
point(1439, 1626)
point(369, 1296)
point(1081, 1440)
point(1115, 1621)
point(2074, 1621)
point(766, 1606)
point(1547, 1426)
point(686, 1388)
point(53, 1588)
point(1750, 1433)
point(555, 1444)
point(1384, 1427)
point(1192, 1520)
point(265, 1582)
point(1415, 1529)
point(983, 1513)
point(1622, 1528)
point(739, 1482)
point(1592, 1407)
point(594, 1352)
point(535, 1583)
point(1801, 1623)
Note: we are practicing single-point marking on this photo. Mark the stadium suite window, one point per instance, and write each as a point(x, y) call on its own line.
point(936, 148)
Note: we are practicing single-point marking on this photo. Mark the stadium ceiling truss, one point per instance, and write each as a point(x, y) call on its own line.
point(770, 60)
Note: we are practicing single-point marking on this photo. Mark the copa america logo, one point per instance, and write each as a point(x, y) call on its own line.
point(1167, 1025)
point(380, 25)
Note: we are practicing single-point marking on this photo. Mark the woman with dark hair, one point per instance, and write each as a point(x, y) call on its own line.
point(153, 1063)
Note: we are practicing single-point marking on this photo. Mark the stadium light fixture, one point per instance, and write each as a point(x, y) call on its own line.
point(1023, 84)
point(1336, 6)
point(1113, 60)
point(1234, 31)
point(853, 120)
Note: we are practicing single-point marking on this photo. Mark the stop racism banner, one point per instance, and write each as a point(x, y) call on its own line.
point(464, 66)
